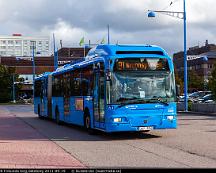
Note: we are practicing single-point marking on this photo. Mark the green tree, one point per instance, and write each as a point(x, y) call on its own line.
point(195, 82)
point(212, 82)
point(179, 81)
point(6, 84)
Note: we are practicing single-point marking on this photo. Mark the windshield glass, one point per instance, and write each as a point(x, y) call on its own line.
point(139, 85)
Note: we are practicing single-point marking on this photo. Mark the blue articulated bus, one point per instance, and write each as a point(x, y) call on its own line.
point(115, 88)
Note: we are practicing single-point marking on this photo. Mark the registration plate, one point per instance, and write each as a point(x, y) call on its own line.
point(145, 128)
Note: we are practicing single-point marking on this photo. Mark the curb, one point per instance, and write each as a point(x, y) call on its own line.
point(197, 113)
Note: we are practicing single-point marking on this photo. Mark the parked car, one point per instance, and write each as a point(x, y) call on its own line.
point(206, 99)
point(194, 97)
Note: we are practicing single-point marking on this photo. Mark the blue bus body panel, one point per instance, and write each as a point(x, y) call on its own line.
point(135, 116)
point(76, 115)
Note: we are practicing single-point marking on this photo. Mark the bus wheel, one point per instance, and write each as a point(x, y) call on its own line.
point(57, 117)
point(87, 124)
point(39, 113)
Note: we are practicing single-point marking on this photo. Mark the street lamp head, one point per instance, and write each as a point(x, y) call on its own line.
point(205, 58)
point(151, 14)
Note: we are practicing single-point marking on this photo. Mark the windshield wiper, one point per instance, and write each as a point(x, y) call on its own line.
point(132, 101)
point(140, 101)
point(159, 100)
point(125, 99)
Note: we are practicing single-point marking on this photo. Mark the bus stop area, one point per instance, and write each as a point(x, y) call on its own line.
point(29, 142)
point(22, 146)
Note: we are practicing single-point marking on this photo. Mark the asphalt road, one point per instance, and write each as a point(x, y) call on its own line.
point(191, 145)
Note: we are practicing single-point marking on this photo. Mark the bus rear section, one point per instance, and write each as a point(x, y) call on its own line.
point(43, 95)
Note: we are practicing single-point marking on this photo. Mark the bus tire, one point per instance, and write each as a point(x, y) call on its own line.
point(57, 116)
point(87, 123)
point(39, 113)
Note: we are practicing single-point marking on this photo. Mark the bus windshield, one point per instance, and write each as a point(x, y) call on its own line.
point(138, 81)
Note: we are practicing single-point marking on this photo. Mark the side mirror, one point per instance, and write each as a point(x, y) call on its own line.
point(177, 90)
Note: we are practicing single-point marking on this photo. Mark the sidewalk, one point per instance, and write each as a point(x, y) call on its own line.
point(21, 146)
point(197, 113)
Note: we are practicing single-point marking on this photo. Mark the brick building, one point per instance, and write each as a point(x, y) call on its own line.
point(24, 65)
point(197, 61)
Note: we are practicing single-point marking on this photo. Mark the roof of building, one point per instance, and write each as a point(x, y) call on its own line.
point(210, 54)
point(73, 51)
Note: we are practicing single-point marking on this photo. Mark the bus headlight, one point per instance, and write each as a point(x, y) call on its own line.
point(170, 118)
point(117, 120)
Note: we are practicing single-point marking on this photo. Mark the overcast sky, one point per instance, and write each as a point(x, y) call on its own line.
point(70, 20)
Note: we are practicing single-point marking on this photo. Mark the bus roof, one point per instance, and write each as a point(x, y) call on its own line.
point(110, 50)
point(106, 50)
point(44, 75)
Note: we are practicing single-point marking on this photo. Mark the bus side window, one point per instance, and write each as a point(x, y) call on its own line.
point(54, 86)
point(66, 84)
point(75, 83)
point(87, 81)
point(38, 89)
point(43, 92)
point(57, 86)
point(91, 80)
point(60, 86)
point(45, 87)
point(84, 87)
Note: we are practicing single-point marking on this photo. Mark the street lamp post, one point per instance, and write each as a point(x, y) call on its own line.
point(55, 54)
point(180, 15)
point(14, 96)
point(33, 65)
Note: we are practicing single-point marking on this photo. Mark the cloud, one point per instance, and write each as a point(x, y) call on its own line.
point(72, 19)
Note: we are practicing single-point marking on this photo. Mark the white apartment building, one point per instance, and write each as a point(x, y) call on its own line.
point(18, 45)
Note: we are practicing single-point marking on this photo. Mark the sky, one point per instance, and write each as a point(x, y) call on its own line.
point(70, 20)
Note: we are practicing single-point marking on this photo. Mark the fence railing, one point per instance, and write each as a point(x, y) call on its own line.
point(198, 107)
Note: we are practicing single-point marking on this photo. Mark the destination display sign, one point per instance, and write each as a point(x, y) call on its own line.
point(121, 65)
point(141, 64)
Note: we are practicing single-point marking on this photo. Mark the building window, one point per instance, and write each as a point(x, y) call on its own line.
point(10, 47)
point(210, 66)
point(2, 47)
point(197, 66)
point(10, 42)
point(18, 42)
point(2, 53)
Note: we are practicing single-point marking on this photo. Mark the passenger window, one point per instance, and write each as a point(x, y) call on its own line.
point(76, 83)
point(87, 81)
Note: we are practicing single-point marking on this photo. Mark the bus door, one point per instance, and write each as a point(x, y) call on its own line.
point(99, 96)
point(44, 97)
point(49, 96)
